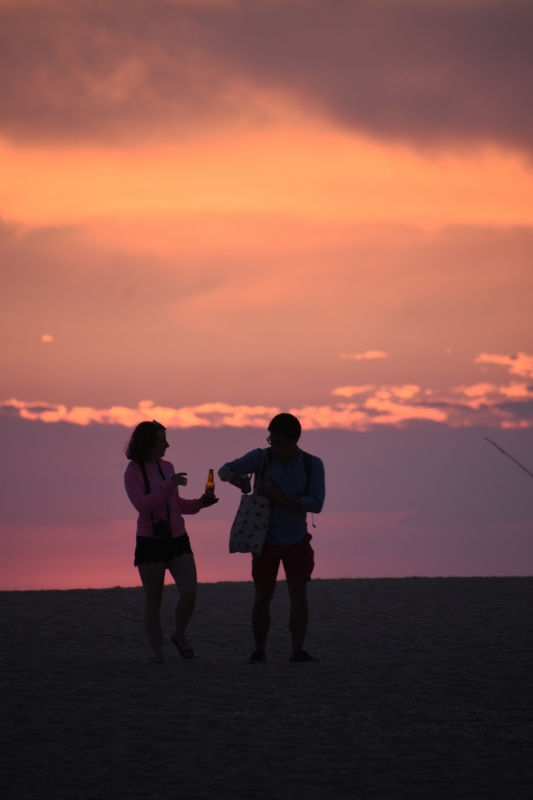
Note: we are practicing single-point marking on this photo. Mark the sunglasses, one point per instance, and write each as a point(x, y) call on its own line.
point(277, 442)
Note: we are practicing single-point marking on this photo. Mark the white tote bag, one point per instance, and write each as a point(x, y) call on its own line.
point(249, 528)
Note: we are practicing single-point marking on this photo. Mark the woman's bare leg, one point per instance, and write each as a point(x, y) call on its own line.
point(153, 580)
point(183, 570)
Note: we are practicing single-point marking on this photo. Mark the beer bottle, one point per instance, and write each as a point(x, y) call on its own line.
point(245, 483)
point(210, 485)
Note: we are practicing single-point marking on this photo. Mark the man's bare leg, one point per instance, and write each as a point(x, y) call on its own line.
point(299, 614)
point(261, 617)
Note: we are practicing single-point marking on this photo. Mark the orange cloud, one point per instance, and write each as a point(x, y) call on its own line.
point(505, 406)
point(405, 392)
point(368, 355)
point(350, 391)
point(304, 170)
point(519, 364)
point(214, 415)
point(479, 404)
point(393, 413)
point(362, 417)
point(374, 411)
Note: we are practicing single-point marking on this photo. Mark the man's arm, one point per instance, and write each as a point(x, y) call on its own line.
point(316, 493)
point(231, 471)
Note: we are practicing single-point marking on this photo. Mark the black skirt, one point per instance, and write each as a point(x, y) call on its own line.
point(150, 550)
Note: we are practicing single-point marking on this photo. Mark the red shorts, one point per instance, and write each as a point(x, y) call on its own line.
point(298, 562)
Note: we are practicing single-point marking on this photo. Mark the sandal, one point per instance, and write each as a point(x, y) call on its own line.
point(158, 660)
point(258, 657)
point(301, 657)
point(185, 652)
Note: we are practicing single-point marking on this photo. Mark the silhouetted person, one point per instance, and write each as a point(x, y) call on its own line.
point(162, 541)
point(294, 485)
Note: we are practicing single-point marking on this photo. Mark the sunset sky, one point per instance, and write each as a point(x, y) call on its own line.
point(213, 210)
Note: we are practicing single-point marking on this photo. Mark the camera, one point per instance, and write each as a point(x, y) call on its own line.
point(162, 529)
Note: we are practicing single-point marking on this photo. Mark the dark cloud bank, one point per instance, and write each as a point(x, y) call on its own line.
point(426, 72)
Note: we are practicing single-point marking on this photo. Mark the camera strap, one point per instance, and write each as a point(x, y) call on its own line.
point(147, 488)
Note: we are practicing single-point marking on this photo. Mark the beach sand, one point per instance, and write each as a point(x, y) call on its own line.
point(423, 691)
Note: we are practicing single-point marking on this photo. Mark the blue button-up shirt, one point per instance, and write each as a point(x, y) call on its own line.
point(287, 525)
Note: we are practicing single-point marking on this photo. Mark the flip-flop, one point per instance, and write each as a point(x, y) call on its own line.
point(157, 661)
point(258, 657)
point(185, 652)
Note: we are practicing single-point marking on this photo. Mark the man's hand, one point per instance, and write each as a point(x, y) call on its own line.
point(242, 482)
point(208, 500)
point(272, 493)
point(269, 489)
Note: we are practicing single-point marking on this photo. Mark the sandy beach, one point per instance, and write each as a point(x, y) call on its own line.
point(423, 691)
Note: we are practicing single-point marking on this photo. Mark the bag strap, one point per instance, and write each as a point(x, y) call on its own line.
point(145, 476)
point(257, 473)
point(308, 467)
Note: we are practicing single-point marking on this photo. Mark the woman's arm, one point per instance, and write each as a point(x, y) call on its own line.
point(189, 506)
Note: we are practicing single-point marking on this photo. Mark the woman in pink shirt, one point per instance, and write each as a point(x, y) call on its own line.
point(162, 541)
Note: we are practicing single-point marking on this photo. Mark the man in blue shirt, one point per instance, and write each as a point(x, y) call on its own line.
point(294, 485)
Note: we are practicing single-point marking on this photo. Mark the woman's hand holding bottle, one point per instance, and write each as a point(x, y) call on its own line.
point(208, 499)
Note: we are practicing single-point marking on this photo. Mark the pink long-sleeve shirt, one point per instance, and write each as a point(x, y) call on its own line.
point(162, 492)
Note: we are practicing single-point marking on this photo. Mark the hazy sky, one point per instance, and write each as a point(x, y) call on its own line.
point(211, 210)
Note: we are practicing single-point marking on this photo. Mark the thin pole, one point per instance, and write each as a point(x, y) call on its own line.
point(508, 456)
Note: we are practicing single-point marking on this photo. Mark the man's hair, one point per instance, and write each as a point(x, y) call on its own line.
point(286, 425)
point(142, 441)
